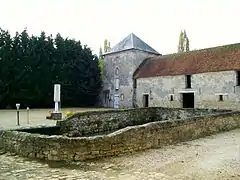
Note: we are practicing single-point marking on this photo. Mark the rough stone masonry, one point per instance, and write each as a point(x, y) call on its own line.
point(90, 123)
point(153, 134)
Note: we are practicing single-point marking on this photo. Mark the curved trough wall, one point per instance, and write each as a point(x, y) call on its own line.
point(88, 123)
point(129, 139)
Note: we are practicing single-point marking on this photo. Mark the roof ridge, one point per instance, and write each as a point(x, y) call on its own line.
point(132, 40)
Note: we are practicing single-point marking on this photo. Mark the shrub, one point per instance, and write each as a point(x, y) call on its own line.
point(69, 114)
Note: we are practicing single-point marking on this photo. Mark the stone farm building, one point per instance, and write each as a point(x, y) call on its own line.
point(135, 75)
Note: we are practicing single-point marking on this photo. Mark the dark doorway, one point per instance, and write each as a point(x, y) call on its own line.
point(106, 98)
point(145, 100)
point(220, 97)
point(188, 100)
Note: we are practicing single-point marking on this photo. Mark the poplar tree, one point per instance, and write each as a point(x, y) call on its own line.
point(183, 44)
point(106, 48)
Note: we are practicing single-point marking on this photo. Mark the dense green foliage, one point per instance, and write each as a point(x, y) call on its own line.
point(31, 65)
point(101, 66)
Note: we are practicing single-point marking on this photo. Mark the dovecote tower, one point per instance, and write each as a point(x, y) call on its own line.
point(119, 66)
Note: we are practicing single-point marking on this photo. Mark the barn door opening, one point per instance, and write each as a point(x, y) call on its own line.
point(188, 100)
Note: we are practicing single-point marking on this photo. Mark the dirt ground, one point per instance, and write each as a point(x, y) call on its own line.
point(214, 157)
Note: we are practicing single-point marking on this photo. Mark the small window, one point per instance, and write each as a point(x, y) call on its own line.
point(221, 97)
point(134, 83)
point(116, 71)
point(122, 97)
point(117, 84)
point(238, 78)
point(171, 97)
point(188, 81)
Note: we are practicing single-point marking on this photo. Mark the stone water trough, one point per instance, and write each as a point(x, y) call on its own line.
point(92, 135)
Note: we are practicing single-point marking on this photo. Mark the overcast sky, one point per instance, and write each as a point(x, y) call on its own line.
point(158, 22)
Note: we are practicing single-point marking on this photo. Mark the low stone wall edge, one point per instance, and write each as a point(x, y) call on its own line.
point(129, 139)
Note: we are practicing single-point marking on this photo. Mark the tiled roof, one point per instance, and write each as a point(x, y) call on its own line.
point(132, 42)
point(215, 59)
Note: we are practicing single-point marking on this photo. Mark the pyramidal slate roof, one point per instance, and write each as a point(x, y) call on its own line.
point(132, 42)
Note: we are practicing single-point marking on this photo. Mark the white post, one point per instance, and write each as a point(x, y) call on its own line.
point(56, 97)
point(28, 115)
point(56, 107)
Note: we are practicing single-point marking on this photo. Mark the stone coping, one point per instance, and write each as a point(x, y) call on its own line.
point(161, 125)
point(143, 108)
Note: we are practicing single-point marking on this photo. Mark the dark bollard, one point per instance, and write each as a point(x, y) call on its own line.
point(18, 106)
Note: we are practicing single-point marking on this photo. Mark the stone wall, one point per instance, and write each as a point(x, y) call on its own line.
point(90, 123)
point(126, 62)
point(129, 139)
point(206, 87)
